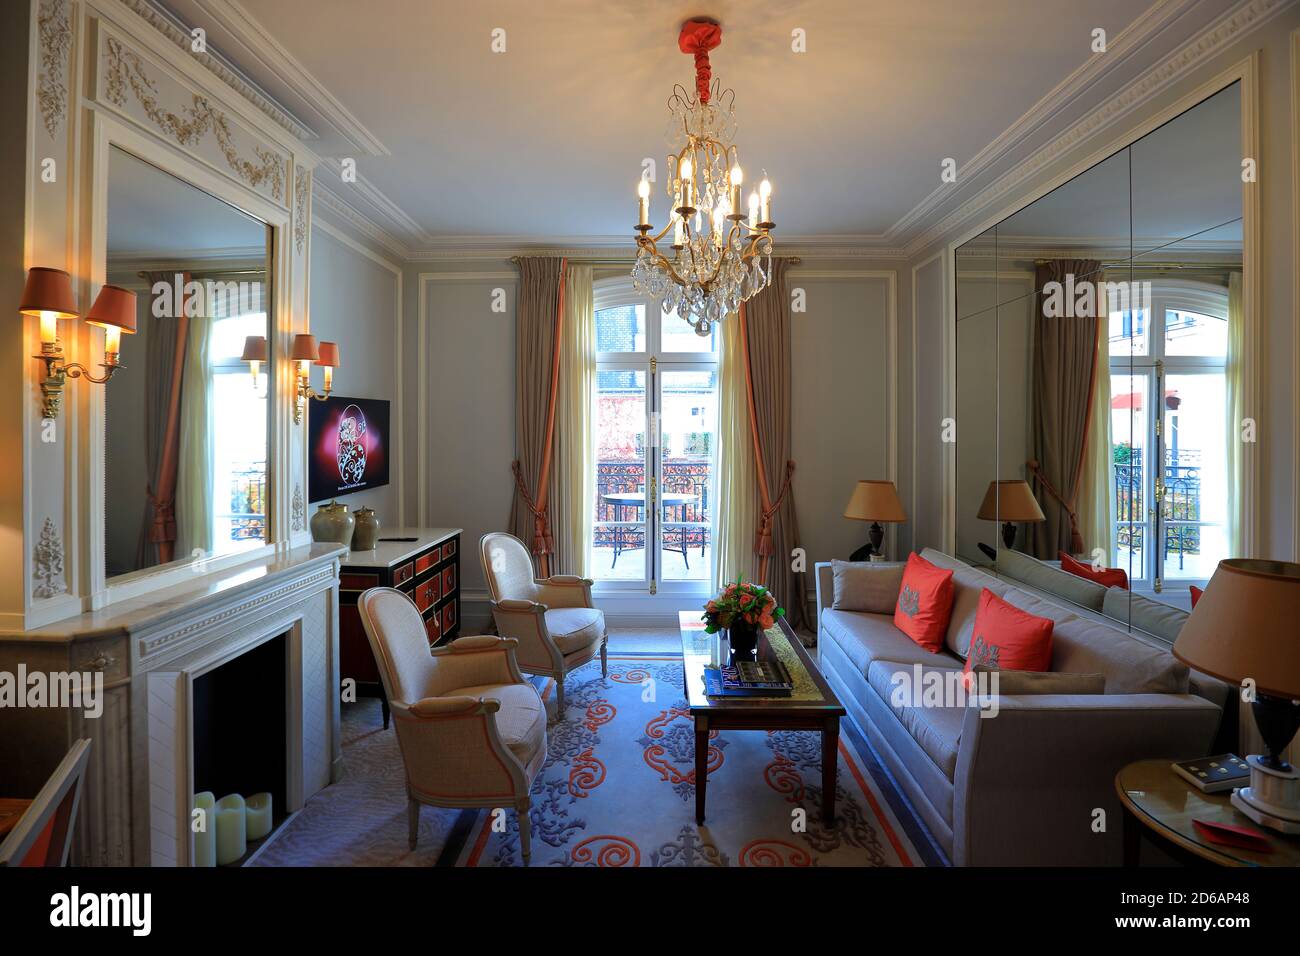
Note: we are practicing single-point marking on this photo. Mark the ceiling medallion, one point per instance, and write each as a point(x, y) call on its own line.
point(718, 249)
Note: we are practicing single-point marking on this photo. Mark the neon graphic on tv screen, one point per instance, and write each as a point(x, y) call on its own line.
point(348, 449)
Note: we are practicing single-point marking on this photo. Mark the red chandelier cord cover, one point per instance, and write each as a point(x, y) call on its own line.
point(698, 37)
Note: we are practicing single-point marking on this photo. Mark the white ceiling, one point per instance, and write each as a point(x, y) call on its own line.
point(545, 141)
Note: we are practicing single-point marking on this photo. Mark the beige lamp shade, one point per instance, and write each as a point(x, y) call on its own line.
point(1245, 626)
point(305, 348)
point(875, 501)
point(328, 355)
point(48, 291)
point(1010, 500)
point(254, 349)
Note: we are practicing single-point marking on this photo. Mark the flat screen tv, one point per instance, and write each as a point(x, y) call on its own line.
point(348, 450)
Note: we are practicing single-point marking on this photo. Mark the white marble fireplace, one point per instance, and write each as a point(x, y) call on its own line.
point(140, 784)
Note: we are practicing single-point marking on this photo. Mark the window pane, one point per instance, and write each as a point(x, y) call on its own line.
point(1128, 332)
point(228, 335)
point(1191, 333)
point(677, 335)
point(1128, 437)
point(239, 462)
point(620, 475)
point(688, 426)
point(621, 329)
point(1195, 474)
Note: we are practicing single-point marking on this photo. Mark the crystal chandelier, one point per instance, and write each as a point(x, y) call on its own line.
point(718, 250)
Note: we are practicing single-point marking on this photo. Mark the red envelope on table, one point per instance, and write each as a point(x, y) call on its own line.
point(1229, 835)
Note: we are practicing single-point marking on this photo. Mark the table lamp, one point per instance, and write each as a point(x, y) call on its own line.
point(1010, 500)
point(874, 501)
point(1242, 629)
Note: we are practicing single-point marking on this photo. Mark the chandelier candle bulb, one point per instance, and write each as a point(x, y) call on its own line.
point(688, 184)
point(765, 197)
point(737, 181)
point(643, 197)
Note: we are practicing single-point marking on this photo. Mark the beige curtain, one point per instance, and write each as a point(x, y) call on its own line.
point(573, 489)
point(766, 321)
point(194, 493)
point(1065, 349)
point(737, 490)
point(1096, 507)
point(1234, 374)
point(536, 312)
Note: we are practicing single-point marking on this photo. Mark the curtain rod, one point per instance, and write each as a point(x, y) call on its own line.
point(206, 275)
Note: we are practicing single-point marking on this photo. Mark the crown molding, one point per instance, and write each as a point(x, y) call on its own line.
point(329, 202)
point(273, 56)
point(170, 27)
point(1246, 17)
point(136, 256)
point(451, 248)
point(1119, 50)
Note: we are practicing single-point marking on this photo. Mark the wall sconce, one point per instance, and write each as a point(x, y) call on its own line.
point(254, 354)
point(48, 296)
point(304, 352)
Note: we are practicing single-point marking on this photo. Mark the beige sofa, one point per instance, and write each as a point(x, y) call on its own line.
point(1022, 787)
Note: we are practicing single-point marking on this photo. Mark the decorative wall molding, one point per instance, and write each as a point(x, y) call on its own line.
point(125, 68)
point(301, 193)
point(54, 36)
point(218, 67)
point(299, 516)
point(334, 205)
point(47, 563)
point(1246, 17)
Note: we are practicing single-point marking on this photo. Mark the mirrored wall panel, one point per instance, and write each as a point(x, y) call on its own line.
point(186, 418)
point(1099, 335)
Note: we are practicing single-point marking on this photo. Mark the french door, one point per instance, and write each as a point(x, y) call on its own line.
point(656, 427)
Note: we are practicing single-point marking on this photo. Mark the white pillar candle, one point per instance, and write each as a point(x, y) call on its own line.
point(257, 814)
point(204, 826)
point(232, 842)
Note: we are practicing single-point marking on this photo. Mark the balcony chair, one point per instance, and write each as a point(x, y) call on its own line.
point(471, 728)
point(554, 621)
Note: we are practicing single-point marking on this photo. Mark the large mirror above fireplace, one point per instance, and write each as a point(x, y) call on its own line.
point(186, 430)
point(1101, 366)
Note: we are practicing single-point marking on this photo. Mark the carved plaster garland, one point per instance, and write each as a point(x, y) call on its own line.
point(301, 190)
point(299, 509)
point(125, 68)
point(47, 563)
point(54, 33)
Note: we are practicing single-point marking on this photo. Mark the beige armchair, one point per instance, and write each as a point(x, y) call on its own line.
point(554, 621)
point(471, 728)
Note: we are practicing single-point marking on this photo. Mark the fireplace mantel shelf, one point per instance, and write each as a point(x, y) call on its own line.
point(147, 610)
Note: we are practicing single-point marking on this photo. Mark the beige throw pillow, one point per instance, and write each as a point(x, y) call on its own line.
point(866, 586)
point(1014, 683)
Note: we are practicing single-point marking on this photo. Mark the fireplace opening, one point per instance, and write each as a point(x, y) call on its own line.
point(240, 729)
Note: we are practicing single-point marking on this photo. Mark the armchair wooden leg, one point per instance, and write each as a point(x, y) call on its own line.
point(559, 697)
point(604, 657)
point(524, 828)
point(413, 821)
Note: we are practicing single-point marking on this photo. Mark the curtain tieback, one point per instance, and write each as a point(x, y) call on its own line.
point(763, 543)
point(164, 518)
point(1076, 539)
point(543, 543)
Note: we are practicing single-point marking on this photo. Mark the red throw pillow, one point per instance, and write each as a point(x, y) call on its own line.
point(1007, 638)
point(924, 602)
point(1196, 593)
point(1107, 577)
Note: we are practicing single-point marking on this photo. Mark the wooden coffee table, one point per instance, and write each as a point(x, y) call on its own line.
point(813, 706)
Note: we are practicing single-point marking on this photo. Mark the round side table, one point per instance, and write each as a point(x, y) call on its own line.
point(1161, 805)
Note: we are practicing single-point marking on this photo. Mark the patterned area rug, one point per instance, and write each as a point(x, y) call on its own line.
point(617, 789)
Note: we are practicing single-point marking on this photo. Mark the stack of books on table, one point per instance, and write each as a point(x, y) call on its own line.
point(748, 679)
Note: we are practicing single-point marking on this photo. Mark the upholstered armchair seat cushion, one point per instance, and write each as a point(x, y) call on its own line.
point(573, 628)
point(521, 721)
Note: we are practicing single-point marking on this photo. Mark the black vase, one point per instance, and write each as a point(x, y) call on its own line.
point(743, 638)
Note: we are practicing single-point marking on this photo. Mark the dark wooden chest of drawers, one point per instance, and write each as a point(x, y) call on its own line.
point(423, 563)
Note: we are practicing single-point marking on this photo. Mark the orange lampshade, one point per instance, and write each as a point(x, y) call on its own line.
point(329, 355)
point(254, 349)
point(48, 290)
point(1244, 626)
point(304, 348)
point(1010, 500)
point(114, 308)
point(875, 501)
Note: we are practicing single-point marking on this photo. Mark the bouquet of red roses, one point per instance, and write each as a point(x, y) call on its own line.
point(742, 604)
